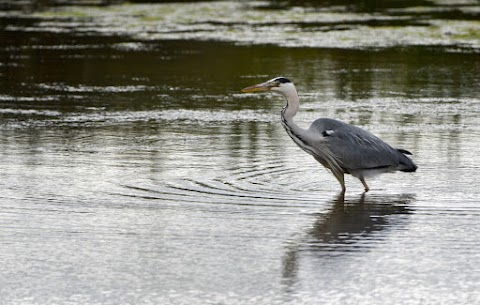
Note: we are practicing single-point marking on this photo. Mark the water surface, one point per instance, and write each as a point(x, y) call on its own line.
point(134, 172)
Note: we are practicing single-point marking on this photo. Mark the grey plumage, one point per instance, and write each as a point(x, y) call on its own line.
point(358, 151)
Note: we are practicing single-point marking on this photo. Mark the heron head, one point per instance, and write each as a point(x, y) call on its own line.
point(279, 84)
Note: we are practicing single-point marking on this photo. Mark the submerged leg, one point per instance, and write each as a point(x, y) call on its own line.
point(364, 183)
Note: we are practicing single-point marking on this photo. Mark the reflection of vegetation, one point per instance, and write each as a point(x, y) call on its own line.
point(201, 75)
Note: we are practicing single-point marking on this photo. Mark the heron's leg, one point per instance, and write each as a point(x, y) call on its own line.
point(340, 177)
point(364, 183)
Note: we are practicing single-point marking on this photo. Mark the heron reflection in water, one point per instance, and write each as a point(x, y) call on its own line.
point(349, 225)
point(339, 147)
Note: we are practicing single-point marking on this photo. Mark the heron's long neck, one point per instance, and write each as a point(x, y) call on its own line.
point(293, 103)
point(288, 112)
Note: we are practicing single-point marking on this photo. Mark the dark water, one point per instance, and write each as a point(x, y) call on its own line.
point(134, 172)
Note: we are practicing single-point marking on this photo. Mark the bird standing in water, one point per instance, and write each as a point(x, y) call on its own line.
point(339, 147)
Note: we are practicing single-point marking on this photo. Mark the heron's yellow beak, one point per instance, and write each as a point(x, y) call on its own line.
point(257, 88)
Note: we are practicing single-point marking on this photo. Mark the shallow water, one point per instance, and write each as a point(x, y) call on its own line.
point(134, 172)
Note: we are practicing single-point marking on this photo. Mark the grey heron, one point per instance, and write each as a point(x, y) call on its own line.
point(339, 147)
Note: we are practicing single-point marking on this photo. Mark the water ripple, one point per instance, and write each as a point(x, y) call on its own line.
point(260, 182)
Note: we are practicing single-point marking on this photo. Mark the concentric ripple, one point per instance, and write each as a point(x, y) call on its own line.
point(255, 185)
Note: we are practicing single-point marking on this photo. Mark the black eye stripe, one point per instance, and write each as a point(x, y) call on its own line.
point(282, 80)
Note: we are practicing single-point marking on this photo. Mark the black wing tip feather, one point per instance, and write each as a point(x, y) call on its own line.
point(407, 164)
point(405, 152)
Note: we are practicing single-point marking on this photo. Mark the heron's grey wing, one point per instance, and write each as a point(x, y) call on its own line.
point(355, 148)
